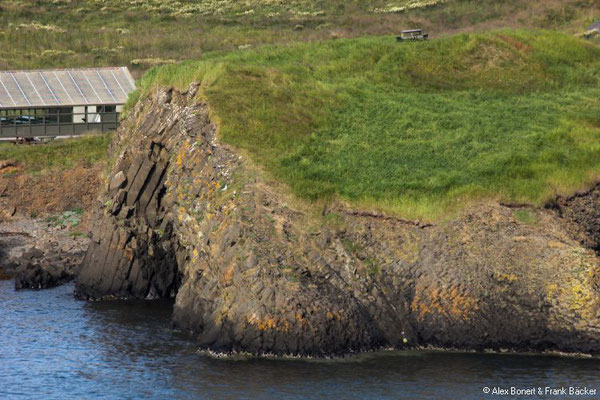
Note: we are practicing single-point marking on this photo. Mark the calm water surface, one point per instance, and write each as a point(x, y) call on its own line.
point(55, 347)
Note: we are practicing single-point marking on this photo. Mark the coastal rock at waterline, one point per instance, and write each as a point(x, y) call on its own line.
point(249, 272)
point(38, 269)
point(8, 270)
point(34, 276)
point(39, 254)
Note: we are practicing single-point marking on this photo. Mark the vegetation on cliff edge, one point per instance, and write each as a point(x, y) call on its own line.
point(417, 129)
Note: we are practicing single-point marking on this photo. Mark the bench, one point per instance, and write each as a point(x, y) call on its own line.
point(412, 34)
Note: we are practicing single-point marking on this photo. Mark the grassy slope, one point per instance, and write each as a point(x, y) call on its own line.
point(60, 154)
point(418, 129)
point(66, 33)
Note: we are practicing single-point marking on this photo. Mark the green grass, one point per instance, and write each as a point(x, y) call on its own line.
point(526, 216)
point(66, 33)
point(416, 129)
point(363, 120)
point(70, 218)
point(59, 154)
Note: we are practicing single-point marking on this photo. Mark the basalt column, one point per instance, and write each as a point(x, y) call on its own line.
point(135, 246)
point(133, 252)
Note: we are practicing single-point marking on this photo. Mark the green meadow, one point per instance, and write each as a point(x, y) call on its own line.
point(416, 129)
point(140, 34)
point(322, 97)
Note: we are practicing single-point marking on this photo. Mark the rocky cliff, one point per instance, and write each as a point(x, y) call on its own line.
point(253, 269)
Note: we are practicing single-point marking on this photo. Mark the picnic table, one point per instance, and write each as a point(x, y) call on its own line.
point(412, 34)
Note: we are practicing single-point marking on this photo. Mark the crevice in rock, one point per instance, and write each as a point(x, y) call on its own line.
point(581, 214)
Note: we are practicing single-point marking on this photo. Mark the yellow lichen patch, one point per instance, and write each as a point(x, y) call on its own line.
point(449, 302)
point(228, 275)
point(222, 315)
point(551, 291)
point(181, 154)
point(578, 295)
point(502, 277)
point(556, 245)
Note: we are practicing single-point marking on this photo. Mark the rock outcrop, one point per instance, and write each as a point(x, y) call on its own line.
point(253, 269)
point(39, 254)
point(582, 214)
point(46, 268)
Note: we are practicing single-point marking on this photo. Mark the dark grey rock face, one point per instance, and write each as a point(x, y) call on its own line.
point(133, 249)
point(34, 276)
point(253, 269)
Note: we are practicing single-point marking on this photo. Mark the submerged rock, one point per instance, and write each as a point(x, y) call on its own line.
point(249, 272)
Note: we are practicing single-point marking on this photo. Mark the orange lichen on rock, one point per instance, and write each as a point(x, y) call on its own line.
point(449, 302)
point(228, 276)
point(334, 315)
point(269, 322)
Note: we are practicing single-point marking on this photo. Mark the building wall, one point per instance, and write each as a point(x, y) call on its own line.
point(58, 121)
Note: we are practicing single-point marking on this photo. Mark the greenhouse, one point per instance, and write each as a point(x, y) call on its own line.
point(49, 103)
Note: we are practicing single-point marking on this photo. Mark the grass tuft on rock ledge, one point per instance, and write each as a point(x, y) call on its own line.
point(416, 129)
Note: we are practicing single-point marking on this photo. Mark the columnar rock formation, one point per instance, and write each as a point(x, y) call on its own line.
point(253, 269)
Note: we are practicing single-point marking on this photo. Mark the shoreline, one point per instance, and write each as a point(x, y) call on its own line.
point(40, 253)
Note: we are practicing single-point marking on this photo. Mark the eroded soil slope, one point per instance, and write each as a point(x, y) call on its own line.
point(53, 192)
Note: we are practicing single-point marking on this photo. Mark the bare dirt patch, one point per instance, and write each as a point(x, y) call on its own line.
point(34, 195)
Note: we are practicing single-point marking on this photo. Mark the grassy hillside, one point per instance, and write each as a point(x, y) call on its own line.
point(66, 33)
point(418, 129)
point(364, 120)
point(60, 154)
